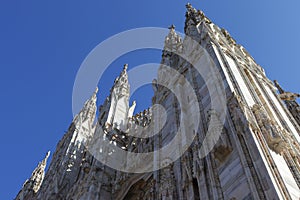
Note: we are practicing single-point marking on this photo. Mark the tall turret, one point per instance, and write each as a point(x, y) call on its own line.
point(88, 112)
point(115, 111)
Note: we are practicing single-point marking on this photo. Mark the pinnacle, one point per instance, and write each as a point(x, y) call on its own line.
point(172, 27)
point(96, 90)
point(122, 79)
point(46, 157)
point(124, 71)
point(188, 5)
point(172, 30)
point(94, 96)
point(195, 15)
point(48, 154)
point(125, 67)
point(173, 41)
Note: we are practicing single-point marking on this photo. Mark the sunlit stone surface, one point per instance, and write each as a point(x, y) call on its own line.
point(256, 157)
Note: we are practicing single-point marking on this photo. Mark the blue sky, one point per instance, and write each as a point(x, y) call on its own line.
point(43, 43)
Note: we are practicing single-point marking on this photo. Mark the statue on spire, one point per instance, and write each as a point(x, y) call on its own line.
point(172, 27)
point(173, 42)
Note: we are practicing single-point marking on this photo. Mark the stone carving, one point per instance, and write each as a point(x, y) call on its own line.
point(286, 96)
point(240, 114)
point(223, 147)
point(195, 15)
point(289, 96)
point(143, 118)
point(290, 102)
point(269, 129)
point(173, 42)
point(230, 40)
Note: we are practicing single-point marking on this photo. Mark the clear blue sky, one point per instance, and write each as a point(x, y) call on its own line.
point(43, 43)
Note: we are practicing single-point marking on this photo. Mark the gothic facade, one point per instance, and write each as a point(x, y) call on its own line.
point(257, 155)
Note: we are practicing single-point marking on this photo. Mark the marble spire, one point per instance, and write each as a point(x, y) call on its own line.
point(115, 110)
point(37, 176)
point(89, 109)
point(121, 85)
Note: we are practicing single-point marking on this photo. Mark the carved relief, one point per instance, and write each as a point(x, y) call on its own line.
point(240, 114)
point(269, 129)
point(223, 147)
point(228, 37)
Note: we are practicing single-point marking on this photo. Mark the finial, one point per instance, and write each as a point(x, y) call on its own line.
point(48, 154)
point(188, 5)
point(125, 67)
point(96, 90)
point(172, 27)
point(46, 158)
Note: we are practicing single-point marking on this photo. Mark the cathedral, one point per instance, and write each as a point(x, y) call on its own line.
point(255, 154)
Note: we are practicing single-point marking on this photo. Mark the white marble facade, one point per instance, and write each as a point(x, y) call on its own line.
point(257, 155)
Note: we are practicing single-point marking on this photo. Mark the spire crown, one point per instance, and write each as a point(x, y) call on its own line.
point(188, 5)
point(194, 17)
point(125, 67)
point(173, 42)
point(172, 27)
point(96, 90)
point(46, 157)
point(92, 99)
point(192, 13)
point(121, 85)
